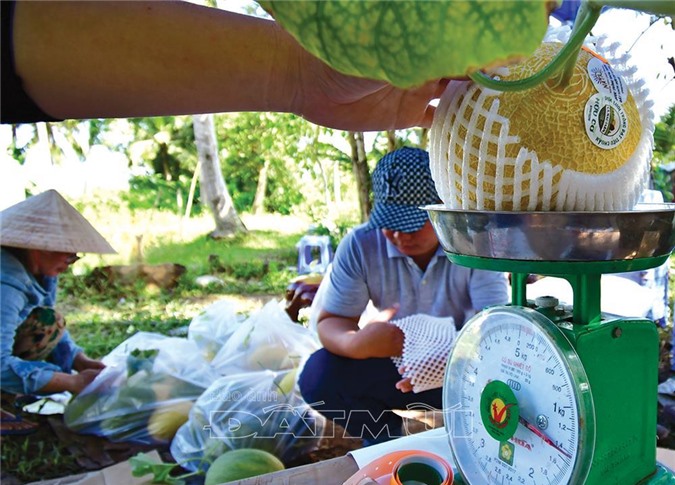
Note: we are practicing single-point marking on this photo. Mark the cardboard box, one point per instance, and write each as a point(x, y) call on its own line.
point(117, 474)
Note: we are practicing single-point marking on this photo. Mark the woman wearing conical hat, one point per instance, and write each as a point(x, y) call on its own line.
point(39, 239)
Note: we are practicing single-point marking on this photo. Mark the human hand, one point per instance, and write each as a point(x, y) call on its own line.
point(298, 296)
point(82, 362)
point(329, 98)
point(404, 385)
point(82, 379)
point(379, 337)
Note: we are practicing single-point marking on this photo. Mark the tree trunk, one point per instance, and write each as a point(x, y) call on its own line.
point(214, 192)
point(391, 140)
point(361, 172)
point(424, 138)
point(259, 199)
point(43, 142)
point(337, 193)
point(191, 194)
point(316, 160)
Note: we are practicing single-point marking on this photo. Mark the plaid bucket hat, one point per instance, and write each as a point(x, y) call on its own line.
point(401, 184)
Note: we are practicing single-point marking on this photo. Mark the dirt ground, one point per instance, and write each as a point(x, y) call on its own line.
point(94, 453)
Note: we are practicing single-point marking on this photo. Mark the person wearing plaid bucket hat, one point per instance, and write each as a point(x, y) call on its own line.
point(393, 262)
point(39, 239)
point(402, 184)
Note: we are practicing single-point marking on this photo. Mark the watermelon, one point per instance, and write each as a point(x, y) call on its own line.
point(241, 463)
point(408, 42)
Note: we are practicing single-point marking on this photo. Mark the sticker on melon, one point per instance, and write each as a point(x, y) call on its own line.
point(585, 146)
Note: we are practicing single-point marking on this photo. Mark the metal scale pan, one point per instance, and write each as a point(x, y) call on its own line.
point(624, 237)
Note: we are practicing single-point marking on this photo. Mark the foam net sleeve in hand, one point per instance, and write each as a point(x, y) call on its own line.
point(426, 345)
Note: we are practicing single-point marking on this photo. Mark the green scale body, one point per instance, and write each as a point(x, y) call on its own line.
point(620, 357)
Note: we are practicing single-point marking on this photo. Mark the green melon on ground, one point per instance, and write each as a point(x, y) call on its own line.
point(241, 463)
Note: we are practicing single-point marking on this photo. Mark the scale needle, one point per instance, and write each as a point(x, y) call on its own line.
point(544, 438)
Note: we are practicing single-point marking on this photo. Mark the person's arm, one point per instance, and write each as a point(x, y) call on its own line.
point(102, 59)
point(21, 376)
point(68, 356)
point(74, 383)
point(82, 363)
point(346, 296)
point(488, 288)
point(378, 338)
point(18, 376)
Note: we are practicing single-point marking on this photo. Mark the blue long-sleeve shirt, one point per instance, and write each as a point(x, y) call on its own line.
point(20, 294)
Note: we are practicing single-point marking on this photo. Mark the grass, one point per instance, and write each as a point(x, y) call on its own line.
point(259, 262)
point(30, 458)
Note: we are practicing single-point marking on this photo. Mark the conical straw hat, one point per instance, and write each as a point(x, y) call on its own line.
point(48, 222)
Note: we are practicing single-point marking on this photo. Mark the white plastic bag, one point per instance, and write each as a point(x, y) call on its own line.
point(268, 339)
point(145, 392)
point(260, 410)
point(212, 327)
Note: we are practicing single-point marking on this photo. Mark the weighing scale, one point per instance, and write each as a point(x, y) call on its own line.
point(540, 393)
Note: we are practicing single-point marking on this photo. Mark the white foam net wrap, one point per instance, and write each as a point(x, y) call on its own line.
point(426, 346)
point(477, 162)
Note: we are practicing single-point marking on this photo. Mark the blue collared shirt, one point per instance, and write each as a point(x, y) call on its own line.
point(20, 294)
point(369, 267)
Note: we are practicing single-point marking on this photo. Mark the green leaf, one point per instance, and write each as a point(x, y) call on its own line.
point(142, 464)
point(408, 42)
point(139, 359)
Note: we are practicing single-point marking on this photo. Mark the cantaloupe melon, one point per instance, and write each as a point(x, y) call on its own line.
point(582, 146)
point(271, 355)
point(166, 419)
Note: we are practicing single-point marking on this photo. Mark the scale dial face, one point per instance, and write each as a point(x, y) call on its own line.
point(518, 403)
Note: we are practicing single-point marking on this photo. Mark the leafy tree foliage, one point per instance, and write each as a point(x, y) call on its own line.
point(291, 165)
point(664, 137)
point(664, 155)
point(168, 143)
point(284, 143)
point(154, 192)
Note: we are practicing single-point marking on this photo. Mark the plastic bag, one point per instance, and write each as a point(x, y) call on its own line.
point(214, 326)
point(268, 339)
point(260, 410)
point(145, 392)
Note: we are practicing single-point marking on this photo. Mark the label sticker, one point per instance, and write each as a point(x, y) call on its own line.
point(499, 410)
point(606, 121)
point(506, 452)
point(606, 81)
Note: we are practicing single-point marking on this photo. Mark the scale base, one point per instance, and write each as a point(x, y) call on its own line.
point(661, 476)
point(621, 361)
